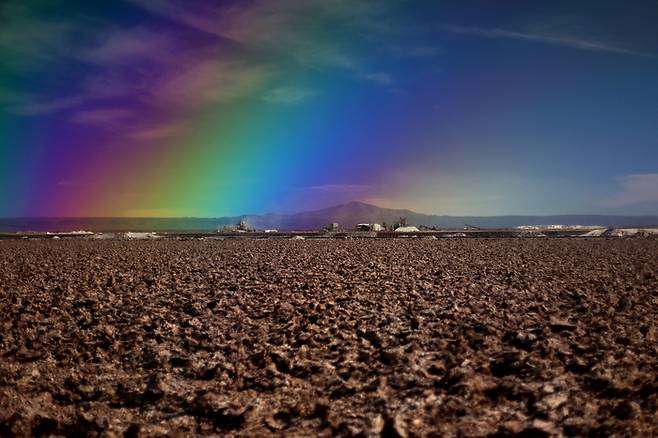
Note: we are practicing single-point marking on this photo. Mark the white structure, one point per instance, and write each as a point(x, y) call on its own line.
point(140, 236)
point(621, 232)
point(369, 227)
point(456, 235)
point(407, 229)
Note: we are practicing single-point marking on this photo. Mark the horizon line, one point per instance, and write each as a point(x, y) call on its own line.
point(327, 208)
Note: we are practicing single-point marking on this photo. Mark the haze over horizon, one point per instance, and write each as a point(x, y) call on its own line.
point(171, 108)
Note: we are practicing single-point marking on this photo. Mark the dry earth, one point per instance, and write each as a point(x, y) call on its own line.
point(408, 337)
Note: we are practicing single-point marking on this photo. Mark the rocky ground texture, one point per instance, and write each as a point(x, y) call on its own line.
point(407, 337)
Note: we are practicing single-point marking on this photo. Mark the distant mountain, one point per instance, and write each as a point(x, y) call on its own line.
point(346, 215)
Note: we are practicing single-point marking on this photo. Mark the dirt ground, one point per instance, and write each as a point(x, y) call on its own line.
point(406, 337)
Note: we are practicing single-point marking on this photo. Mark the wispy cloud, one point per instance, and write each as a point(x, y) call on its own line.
point(413, 51)
point(246, 48)
point(118, 46)
point(260, 24)
point(378, 78)
point(635, 189)
point(26, 41)
point(29, 43)
point(159, 132)
point(92, 89)
point(557, 40)
point(290, 95)
point(31, 105)
point(102, 117)
point(320, 55)
point(265, 17)
point(298, 29)
point(202, 17)
point(342, 188)
point(209, 81)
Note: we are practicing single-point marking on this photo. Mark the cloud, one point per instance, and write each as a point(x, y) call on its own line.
point(413, 51)
point(201, 16)
point(299, 29)
point(265, 17)
point(342, 188)
point(31, 105)
point(31, 44)
point(26, 41)
point(556, 40)
point(145, 66)
point(208, 80)
point(92, 89)
point(159, 132)
point(635, 189)
point(10, 98)
point(102, 117)
point(378, 78)
point(128, 45)
point(290, 95)
point(321, 55)
point(199, 76)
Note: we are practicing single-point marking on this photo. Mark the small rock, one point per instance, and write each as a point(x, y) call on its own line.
point(512, 427)
point(543, 428)
point(225, 414)
point(554, 401)
point(626, 410)
point(394, 427)
point(132, 431)
point(377, 425)
point(559, 325)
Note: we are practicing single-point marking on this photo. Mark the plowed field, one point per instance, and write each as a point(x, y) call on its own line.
point(406, 337)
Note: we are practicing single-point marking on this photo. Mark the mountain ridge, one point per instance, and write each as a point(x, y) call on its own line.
point(351, 213)
point(346, 215)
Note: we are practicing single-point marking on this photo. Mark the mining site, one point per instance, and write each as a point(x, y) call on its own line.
point(380, 337)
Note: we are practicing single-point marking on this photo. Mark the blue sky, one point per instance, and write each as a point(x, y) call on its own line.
point(464, 107)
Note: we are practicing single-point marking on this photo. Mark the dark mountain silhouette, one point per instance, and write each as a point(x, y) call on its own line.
point(346, 215)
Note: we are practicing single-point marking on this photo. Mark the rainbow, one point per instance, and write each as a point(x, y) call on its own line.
point(183, 123)
point(170, 108)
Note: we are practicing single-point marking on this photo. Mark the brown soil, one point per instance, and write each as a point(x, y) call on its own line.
point(393, 337)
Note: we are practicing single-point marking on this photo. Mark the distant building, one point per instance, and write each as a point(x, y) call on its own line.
point(407, 229)
point(241, 227)
point(369, 227)
point(402, 222)
point(244, 226)
point(333, 226)
point(271, 231)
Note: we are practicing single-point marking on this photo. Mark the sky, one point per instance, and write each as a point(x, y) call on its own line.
point(181, 108)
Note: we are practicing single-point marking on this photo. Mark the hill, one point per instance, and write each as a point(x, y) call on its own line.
point(347, 215)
